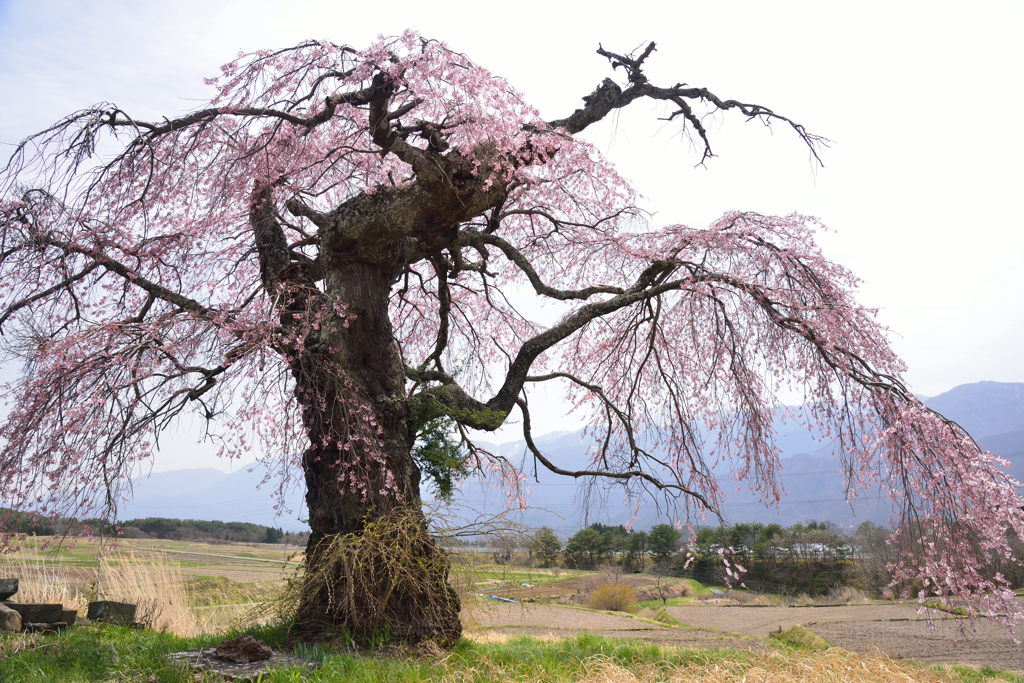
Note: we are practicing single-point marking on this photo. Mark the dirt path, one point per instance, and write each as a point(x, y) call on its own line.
point(760, 621)
point(990, 645)
point(896, 630)
point(564, 622)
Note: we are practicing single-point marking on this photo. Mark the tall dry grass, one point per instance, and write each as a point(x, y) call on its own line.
point(839, 666)
point(155, 585)
point(848, 595)
point(47, 580)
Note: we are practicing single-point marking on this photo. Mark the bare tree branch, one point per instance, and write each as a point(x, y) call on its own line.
point(609, 96)
point(604, 473)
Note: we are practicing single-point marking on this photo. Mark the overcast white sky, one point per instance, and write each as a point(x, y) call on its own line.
point(922, 184)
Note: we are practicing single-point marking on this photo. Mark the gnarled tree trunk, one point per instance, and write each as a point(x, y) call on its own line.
point(371, 566)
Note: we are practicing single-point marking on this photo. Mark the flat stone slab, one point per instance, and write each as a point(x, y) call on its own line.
point(206, 659)
point(44, 627)
point(38, 612)
point(8, 587)
point(108, 610)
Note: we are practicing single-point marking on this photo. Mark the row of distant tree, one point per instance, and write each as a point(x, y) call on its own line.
point(601, 544)
point(813, 558)
point(152, 527)
point(206, 530)
point(809, 558)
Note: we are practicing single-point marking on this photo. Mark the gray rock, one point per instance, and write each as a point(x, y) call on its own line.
point(9, 619)
point(69, 616)
point(108, 610)
point(206, 659)
point(8, 587)
point(38, 612)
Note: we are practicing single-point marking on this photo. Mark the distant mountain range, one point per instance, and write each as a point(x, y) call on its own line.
point(992, 411)
point(207, 493)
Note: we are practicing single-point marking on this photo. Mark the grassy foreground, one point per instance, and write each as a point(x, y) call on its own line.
point(114, 653)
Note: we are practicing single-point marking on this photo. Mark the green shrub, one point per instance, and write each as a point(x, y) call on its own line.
point(613, 596)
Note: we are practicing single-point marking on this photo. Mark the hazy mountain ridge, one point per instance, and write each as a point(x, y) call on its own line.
point(211, 494)
point(983, 408)
point(992, 411)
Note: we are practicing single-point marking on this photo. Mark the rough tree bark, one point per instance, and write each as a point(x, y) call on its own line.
point(359, 378)
point(361, 478)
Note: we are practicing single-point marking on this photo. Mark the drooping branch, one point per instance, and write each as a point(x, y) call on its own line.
point(652, 282)
point(93, 120)
point(490, 415)
point(129, 275)
point(611, 409)
point(659, 279)
point(624, 476)
point(63, 286)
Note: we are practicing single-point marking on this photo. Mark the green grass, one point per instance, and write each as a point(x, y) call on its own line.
point(517, 575)
point(108, 653)
point(979, 674)
point(800, 638)
point(103, 653)
point(88, 654)
point(204, 591)
point(943, 607)
point(670, 602)
point(96, 652)
point(697, 591)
